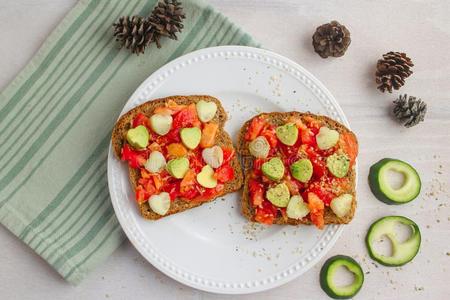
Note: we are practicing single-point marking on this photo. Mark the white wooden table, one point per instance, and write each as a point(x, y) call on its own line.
point(420, 28)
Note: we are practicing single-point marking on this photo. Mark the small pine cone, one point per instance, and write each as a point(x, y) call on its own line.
point(166, 19)
point(409, 111)
point(331, 39)
point(134, 33)
point(392, 71)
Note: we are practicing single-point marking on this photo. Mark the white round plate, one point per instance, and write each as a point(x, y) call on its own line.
point(212, 247)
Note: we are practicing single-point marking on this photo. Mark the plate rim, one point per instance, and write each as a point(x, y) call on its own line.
point(188, 278)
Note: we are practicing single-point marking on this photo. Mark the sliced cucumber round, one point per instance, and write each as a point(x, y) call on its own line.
point(383, 190)
point(328, 272)
point(402, 253)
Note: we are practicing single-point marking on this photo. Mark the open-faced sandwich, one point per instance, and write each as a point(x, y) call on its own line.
point(301, 170)
point(178, 154)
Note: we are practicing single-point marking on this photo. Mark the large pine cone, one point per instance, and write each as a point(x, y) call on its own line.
point(392, 70)
point(409, 111)
point(166, 19)
point(133, 33)
point(331, 39)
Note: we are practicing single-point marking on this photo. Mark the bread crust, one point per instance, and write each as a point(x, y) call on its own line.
point(280, 118)
point(222, 139)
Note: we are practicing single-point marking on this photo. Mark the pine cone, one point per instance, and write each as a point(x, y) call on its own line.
point(133, 33)
point(166, 19)
point(331, 39)
point(409, 111)
point(392, 71)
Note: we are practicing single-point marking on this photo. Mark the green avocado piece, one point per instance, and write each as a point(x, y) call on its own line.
point(206, 177)
point(191, 137)
point(338, 164)
point(178, 167)
point(273, 169)
point(138, 137)
point(287, 134)
point(326, 138)
point(302, 170)
point(279, 195)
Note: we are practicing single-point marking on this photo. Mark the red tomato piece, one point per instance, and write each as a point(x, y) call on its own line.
point(224, 173)
point(350, 146)
point(316, 210)
point(257, 163)
point(186, 117)
point(255, 127)
point(266, 213)
point(135, 158)
point(173, 188)
point(256, 192)
point(307, 137)
point(270, 135)
point(141, 194)
point(228, 154)
point(141, 119)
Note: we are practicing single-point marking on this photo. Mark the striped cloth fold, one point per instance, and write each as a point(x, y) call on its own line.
point(55, 123)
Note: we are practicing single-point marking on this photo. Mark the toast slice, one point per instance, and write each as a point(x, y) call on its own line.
point(274, 119)
point(222, 139)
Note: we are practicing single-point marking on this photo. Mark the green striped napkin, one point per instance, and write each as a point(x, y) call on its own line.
point(55, 123)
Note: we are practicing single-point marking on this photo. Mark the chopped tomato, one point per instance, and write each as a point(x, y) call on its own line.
point(270, 135)
point(135, 158)
point(141, 119)
point(145, 174)
point(173, 136)
point(319, 165)
point(224, 173)
point(188, 181)
point(163, 110)
point(158, 182)
point(196, 161)
point(350, 145)
point(312, 123)
point(257, 164)
point(176, 150)
point(209, 135)
point(322, 191)
point(255, 127)
point(186, 117)
point(170, 108)
point(188, 185)
point(228, 154)
point(292, 184)
point(307, 137)
point(141, 194)
point(256, 192)
point(266, 214)
point(316, 210)
point(173, 188)
point(208, 194)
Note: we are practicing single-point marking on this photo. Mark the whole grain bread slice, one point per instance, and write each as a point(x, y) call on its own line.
point(280, 118)
point(222, 139)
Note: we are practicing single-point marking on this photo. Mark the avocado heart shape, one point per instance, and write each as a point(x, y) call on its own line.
point(287, 134)
point(191, 137)
point(279, 195)
point(326, 138)
point(273, 169)
point(178, 167)
point(138, 137)
point(206, 177)
point(161, 124)
point(206, 110)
